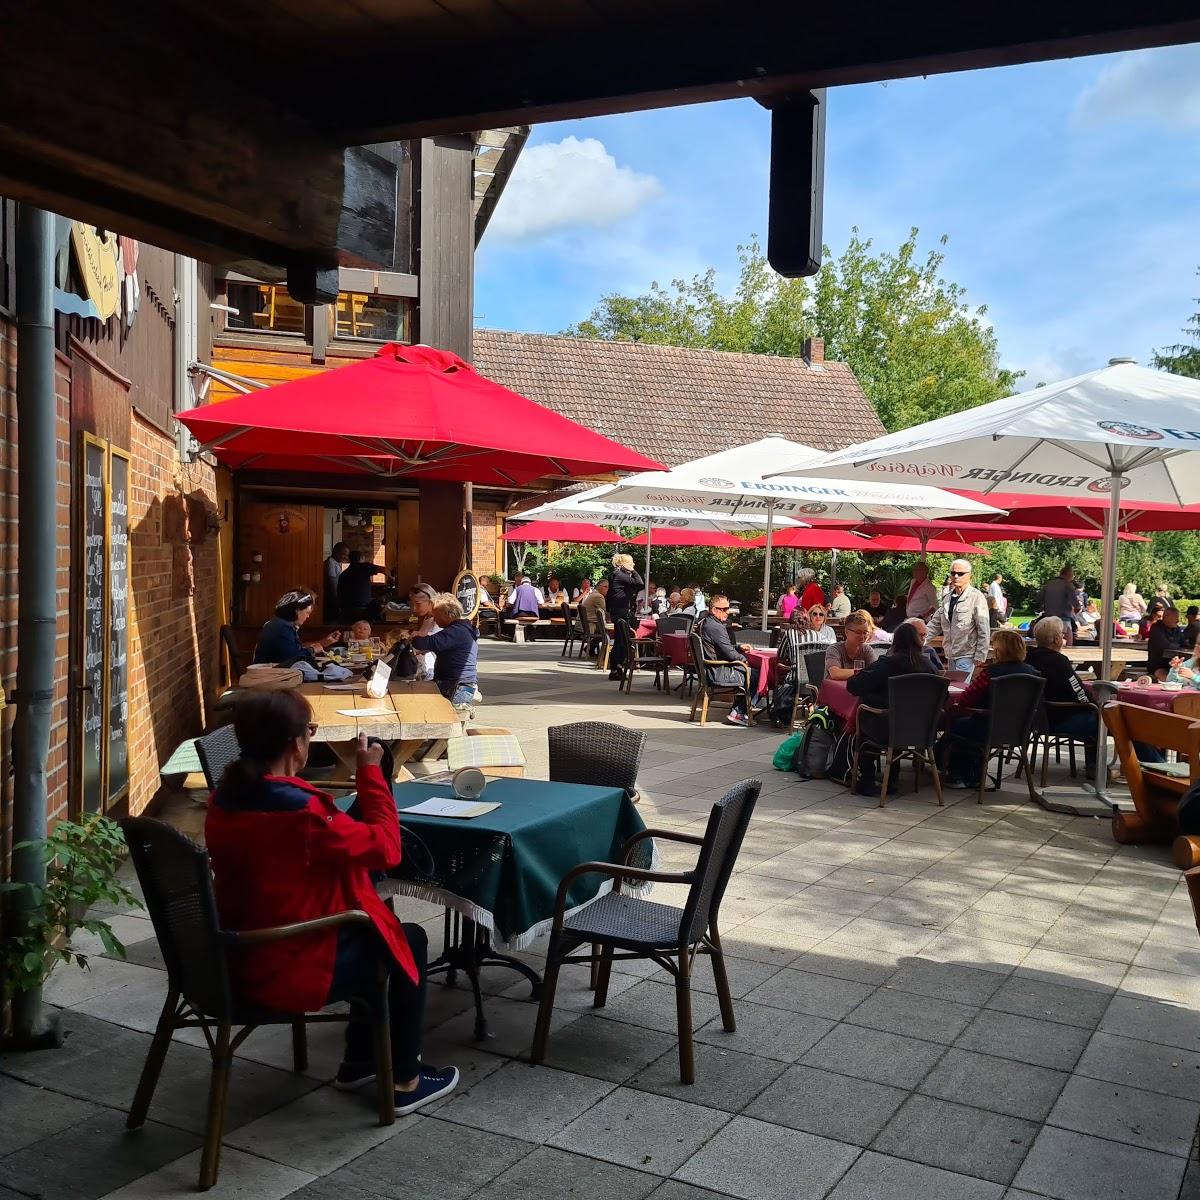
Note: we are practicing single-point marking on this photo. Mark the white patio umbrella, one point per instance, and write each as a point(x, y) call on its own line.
point(598, 505)
point(743, 480)
point(1124, 432)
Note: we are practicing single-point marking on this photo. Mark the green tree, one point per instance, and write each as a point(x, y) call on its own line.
point(1184, 357)
point(917, 347)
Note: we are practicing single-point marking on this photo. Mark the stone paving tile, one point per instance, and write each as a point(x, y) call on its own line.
point(758, 1161)
point(913, 1016)
point(97, 1157)
point(873, 1054)
point(724, 1079)
point(550, 1172)
point(954, 1137)
point(536, 1102)
point(1073, 1166)
point(636, 1129)
point(609, 1050)
point(885, 935)
point(858, 963)
point(766, 1032)
point(945, 981)
point(821, 897)
point(998, 927)
point(998, 1084)
point(1071, 970)
point(878, 883)
point(672, 1189)
point(1043, 1043)
point(1050, 1002)
point(834, 1106)
point(510, 1027)
point(1125, 1114)
point(881, 1177)
point(772, 947)
point(431, 1159)
point(241, 1175)
point(807, 992)
point(793, 917)
point(927, 912)
point(652, 1006)
point(984, 955)
point(1123, 1060)
point(337, 1186)
point(744, 974)
point(32, 1113)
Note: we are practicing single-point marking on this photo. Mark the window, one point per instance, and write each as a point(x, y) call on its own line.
point(357, 316)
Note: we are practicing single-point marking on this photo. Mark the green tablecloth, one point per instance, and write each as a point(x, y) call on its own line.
point(503, 869)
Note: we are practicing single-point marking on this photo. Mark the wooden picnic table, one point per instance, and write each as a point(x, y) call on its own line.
point(1082, 654)
point(414, 713)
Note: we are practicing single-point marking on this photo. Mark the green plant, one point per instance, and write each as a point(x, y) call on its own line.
point(82, 861)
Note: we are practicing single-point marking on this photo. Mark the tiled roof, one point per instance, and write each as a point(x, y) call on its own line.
point(676, 404)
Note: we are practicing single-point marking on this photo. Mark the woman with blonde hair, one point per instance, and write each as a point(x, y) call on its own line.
point(1131, 607)
point(456, 646)
point(843, 659)
point(624, 584)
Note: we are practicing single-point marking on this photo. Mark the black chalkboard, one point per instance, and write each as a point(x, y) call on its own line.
point(466, 590)
point(118, 625)
point(93, 524)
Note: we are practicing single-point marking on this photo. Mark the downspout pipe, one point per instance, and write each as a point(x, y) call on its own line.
point(37, 602)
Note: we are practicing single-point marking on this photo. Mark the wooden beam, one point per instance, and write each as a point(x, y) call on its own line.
point(174, 150)
point(770, 48)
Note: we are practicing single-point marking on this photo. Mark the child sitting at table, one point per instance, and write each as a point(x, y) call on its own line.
point(1185, 671)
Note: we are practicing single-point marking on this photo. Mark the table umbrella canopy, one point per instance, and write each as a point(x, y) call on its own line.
point(813, 538)
point(983, 531)
point(898, 543)
point(1123, 433)
point(411, 412)
point(698, 537)
point(559, 531)
point(1086, 515)
point(737, 480)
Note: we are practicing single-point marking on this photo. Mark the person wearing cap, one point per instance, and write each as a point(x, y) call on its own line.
point(422, 599)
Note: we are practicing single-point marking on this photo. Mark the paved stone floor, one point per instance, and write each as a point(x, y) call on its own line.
point(963, 1003)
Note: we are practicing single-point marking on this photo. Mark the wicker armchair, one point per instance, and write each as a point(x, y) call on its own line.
point(645, 929)
point(216, 751)
point(706, 691)
point(914, 712)
point(638, 654)
point(1013, 707)
point(596, 752)
point(177, 881)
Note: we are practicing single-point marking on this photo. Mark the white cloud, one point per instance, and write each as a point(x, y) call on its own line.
point(572, 183)
point(1161, 87)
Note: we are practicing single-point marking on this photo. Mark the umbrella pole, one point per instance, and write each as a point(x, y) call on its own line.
point(649, 539)
point(767, 565)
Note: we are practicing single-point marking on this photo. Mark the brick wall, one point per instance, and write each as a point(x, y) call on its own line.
point(484, 520)
point(57, 766)
point(173, 663)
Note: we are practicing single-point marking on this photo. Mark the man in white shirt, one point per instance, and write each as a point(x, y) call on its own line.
point(839, 606)
point(699, 601)
point(996, 591)
point(922, 595)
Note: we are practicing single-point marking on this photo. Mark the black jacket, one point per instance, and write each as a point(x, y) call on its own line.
point(870, 684)
point(1062, 684)
point(1162, 646)
point(714, 636)
point(623, 588)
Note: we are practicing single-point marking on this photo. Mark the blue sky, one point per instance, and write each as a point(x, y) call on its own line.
point(1070, 192)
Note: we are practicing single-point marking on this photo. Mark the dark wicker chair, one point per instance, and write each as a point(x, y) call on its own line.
point(596, 752)
point(722, 693)
point(216, 751)
point(676, 623)
point(594, 629)
point(645, 929)
point(1046, 739)
point(914, 712)
point(236, 666)
point(639, 654)
point(1013, 708)
point(814, 664)
point(753, 637)
point(177, 882)
point(570, 631)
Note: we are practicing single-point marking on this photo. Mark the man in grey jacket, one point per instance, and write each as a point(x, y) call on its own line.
point(961, 620)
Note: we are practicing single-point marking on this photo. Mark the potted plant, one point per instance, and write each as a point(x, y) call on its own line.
point(82, 860)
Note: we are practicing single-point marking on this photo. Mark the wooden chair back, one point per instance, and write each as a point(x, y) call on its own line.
point(1155, 795)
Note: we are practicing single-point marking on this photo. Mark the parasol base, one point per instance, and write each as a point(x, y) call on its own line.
point(1084, 800)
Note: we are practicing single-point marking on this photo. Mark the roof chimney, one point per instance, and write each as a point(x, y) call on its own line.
point(1120, 362)
point(814, 350)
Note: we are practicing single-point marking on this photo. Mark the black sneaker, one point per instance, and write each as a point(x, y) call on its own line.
point(431, 1085)
point(351, 1076)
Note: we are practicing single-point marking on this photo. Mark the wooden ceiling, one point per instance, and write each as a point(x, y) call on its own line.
point(221, 129)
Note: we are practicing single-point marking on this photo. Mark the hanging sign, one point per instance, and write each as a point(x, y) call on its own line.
point(466, 591)
point(99, 271)
point(285, 520)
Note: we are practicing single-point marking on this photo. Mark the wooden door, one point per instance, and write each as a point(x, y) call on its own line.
point(289, 538)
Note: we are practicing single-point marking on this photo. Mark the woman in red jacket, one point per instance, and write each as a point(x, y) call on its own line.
point(283, 852)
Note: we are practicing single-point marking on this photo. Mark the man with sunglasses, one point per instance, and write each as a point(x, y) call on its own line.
point(733, 671)
point(961, 621)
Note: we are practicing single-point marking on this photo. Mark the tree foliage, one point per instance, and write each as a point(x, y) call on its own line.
point(916, 346)
point(1184, 357)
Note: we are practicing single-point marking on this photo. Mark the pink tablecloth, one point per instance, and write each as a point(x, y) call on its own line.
point(675, 647)
point(762, 668)
point(835, 695)
point(1151, 696)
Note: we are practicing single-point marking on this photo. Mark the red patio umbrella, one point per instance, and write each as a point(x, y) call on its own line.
point(960, 530)
point(1086, 516)
point(895, 543)
point(814, 539)
point(698, 537)
point(410, 412)
point(559, 531)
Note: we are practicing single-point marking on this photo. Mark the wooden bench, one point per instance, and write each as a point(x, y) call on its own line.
point(1187, 858)
point(1155, 793)
point(515, 626)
